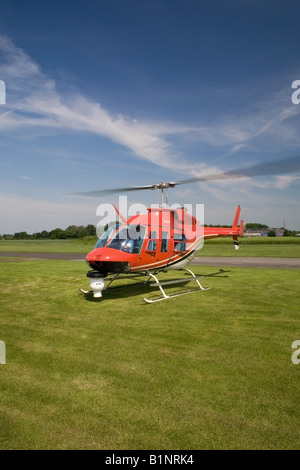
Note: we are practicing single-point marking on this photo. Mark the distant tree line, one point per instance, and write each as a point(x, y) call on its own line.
point(256, 225)
point(81, 231)
point(73, 231)
point(249, 225)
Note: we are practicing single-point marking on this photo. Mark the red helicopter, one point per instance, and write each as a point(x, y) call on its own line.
point(163, 238)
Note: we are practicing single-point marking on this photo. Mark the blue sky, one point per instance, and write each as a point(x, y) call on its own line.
point(111, 93)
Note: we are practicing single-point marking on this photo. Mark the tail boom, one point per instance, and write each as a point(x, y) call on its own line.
point(235, 231)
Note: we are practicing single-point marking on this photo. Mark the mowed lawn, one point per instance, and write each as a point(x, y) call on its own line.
point(209, 370)
point(286, 247)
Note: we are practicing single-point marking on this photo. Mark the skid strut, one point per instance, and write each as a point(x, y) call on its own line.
point(175, 281)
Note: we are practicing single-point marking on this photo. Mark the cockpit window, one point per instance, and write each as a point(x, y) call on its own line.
point(106, 236)
point(129, 239)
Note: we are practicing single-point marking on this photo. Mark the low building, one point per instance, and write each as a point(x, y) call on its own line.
point(263, 232)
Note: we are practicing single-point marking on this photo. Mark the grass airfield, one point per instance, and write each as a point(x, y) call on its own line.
point(210, 370)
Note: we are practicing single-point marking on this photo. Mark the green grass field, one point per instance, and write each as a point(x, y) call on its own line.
point(53, 246)
point(286, 247)
point(210, 370)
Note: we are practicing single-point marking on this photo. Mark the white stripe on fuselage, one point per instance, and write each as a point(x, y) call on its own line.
point(176, 261)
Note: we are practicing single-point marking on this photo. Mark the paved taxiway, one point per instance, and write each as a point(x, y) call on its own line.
point(251, 262)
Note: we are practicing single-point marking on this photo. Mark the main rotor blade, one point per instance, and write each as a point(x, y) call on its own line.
point(107, 192)
point(285, 165)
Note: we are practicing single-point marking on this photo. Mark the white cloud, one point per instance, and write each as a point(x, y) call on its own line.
point(33, 103)
point(284, 181)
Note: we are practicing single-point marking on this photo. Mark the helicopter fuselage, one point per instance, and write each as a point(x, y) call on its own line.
point(159, 240)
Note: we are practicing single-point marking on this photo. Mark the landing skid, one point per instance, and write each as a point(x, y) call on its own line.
point(175, 281)
point(158, 284)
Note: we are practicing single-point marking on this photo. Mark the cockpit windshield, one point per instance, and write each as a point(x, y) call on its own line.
point(106, 236)
point(129, 239)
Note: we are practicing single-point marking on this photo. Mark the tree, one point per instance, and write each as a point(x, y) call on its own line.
point(21, 236)
point(91, 230)
point(71, 231)
point(58, 233)
point(8, 236)
point(255, 225)
point(43, 234)
point(272, 233)
point(81, 231)
point(289, 233)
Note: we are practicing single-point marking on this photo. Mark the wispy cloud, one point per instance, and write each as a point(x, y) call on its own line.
point(34, 103)
point(284, 181)
point(25, 177)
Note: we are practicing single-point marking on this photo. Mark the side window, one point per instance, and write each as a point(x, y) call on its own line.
point(179, 242)
point(164, 242)
point(152, 243)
